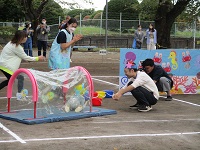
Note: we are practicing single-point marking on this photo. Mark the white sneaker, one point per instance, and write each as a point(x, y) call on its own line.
point(19, 96)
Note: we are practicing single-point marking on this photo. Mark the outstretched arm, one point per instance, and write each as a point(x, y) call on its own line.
point(118, 95)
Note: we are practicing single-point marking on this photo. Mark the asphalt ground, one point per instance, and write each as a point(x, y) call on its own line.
point(173, 125)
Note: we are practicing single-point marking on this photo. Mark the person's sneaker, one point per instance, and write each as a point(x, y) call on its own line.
point(169, 98)
point(144, 108)
point(19, 96)
point(135, 105)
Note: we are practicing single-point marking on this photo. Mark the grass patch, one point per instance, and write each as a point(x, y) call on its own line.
point(96, 31)
point(92, 30)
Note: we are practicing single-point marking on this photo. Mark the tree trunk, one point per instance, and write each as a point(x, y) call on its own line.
point(165, 17)
point(33, 14)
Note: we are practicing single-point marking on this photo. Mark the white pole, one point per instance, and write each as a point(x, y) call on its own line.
point(194, 34)
point(101, 22)
point(106, 32)
point(80, 23)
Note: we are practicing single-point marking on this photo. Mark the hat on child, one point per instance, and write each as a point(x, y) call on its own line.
point(131, 65)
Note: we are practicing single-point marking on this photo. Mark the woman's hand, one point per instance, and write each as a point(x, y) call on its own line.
point(42, 58)
point(77, 37)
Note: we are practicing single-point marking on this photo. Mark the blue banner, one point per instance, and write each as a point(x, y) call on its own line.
point(182, 64)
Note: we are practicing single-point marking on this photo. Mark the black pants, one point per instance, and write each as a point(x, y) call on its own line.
point(143, 96)
point(42, 45)
point(20, 84)
point(5, 82)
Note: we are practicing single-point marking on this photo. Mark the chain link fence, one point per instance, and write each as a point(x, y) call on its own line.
point(96, 27)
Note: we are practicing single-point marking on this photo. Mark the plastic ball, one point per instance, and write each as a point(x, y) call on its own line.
point(79, 89)
point(24, 92)
point(50, 95)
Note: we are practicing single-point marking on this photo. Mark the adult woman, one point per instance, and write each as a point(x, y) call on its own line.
point(12, 54)
point(138, 37)
point(42, 31)
point(151, 35)
point(28, 43)
point(59, 56)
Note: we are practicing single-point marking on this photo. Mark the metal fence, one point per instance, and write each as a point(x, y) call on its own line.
point(115, 27)
point(120, 27)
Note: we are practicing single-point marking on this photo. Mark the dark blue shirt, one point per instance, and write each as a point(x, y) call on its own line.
point(159, 72)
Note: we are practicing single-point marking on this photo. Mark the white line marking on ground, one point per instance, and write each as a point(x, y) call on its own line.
point(112, 59)
point(105, 76)
point(184, 102)
point(106, 82)
point(3, 97)
point(11, 133)
point(92, 76)
point(10, 141)
point(140, 121)
point(109, 136)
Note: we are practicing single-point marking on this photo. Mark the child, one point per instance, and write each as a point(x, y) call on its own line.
point(12, 55)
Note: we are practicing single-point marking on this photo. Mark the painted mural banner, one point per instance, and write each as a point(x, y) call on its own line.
point(183, 65)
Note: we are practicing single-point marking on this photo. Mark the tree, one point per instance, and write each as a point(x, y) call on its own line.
point(52, 11)
point(83, 12)
point(73, 4)
point(35, 10)
point(32, 11)
point(192, 11)
point(147, 9)
point(166, 14)
point(126, 7)
point(13, 14)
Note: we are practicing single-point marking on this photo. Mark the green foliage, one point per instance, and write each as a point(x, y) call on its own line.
point(52, 11)
point(148, 9)
point(75, 12)
point(126, 7)
point(91, 30)
point(77, 17)
point(10, 10)
point(95, 14)
point(192, 11)
point(6, 31)
point(84, 12)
